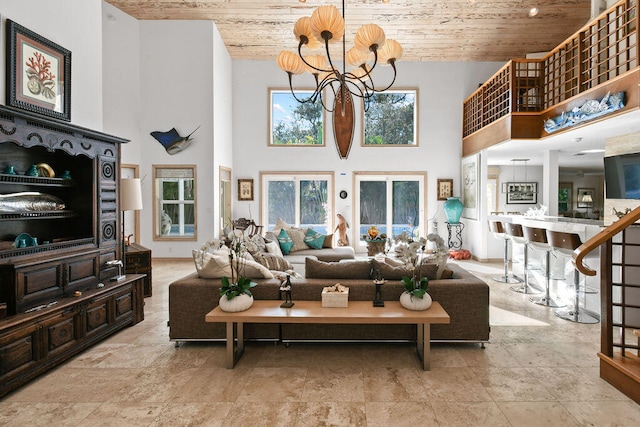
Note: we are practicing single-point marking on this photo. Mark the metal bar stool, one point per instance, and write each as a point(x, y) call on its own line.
point(564, 244)
point(514, 232)
point(537, 239)
point(497, 229)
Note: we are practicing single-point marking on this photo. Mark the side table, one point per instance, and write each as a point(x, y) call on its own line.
point(138, 261)
point(455, 235)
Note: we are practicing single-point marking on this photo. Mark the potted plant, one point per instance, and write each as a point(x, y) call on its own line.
point(415, 296)
point(235, 293)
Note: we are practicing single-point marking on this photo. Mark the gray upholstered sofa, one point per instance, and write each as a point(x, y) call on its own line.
point(464, 296)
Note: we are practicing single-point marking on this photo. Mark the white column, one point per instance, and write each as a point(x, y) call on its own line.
point(550, 181)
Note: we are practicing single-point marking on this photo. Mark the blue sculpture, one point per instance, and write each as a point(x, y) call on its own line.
point(172, 141)
point(587, 111)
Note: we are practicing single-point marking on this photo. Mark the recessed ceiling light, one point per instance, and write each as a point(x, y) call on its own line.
point(592, 151)
point(533, 11)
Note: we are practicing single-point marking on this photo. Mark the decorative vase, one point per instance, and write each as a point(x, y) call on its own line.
point(33, 171)
point(240, 303)
point(10, 170)
point(373, 232)
point(410, 302)
point(453, 209)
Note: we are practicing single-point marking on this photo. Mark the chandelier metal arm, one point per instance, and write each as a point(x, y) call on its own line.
point(312, 98)
point(393, 65)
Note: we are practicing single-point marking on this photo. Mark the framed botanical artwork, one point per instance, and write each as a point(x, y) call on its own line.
point(445, 189)
point(470, 178)
point(245, 189)
point(295, 123)
point(390, 118)
point(38, 73)
point(522, 193)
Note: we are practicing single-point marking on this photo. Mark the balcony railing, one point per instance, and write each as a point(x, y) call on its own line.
point(599, 52)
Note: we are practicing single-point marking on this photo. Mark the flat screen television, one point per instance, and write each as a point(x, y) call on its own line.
point(622, 176)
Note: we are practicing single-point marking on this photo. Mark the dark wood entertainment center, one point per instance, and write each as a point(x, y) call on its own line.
point(54, 274)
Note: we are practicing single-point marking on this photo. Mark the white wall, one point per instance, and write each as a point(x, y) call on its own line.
point(222, 122)
point(75, 25)
point(165, 74)
point(441, 89)
point(121, 101)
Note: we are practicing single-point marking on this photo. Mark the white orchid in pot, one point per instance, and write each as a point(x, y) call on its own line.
point(235, 293)
point(409, 251)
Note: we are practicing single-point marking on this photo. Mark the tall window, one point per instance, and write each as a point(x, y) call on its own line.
point(303, 200)
point(393, 203)
point(175, 202)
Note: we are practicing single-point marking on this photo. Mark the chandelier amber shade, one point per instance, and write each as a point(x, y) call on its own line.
point(303, 28)
point(391, 51)
point(369, 37)
point(290, 62)
point(356, 57)
point(327, 20)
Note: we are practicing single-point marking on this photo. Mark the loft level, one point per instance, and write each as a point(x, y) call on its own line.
point(599, 60)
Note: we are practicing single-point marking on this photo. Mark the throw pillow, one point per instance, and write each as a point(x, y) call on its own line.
point(256, 244)
point(328, 241)
point(313, 239)
point(280, 224)
point(210, 266)
point(286, 243)
point(271, 236)
point(272, 261)
point(254, 270)
point(274, 248)
point(358, 269)
point(297, 235)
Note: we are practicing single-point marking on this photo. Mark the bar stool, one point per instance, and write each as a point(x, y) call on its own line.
point(564, 244)
point(514, 232)
point(497, 229)
point(537, 239)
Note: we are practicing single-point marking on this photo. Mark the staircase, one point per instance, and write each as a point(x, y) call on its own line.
point(620, 304)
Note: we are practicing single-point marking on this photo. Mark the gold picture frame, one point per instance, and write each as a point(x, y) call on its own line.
point(245, 190)
point(445, 188)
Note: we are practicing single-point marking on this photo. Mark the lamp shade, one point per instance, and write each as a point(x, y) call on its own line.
point(327, 23)
point(369, 37)
point(130, 194)
point(301, 28)
point(392, 50)
point(357, 57)
point(586, 198)
point(317, 61)
point(290, 62)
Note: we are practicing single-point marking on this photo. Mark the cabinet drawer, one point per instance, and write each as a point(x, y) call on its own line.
point(83, 271)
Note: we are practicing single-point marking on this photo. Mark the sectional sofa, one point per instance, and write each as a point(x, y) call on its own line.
point(464, 296)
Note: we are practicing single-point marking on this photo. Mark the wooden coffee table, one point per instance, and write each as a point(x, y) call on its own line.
point(359, 312)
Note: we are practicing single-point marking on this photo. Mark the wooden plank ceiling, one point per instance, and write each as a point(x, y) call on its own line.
point(429, 30)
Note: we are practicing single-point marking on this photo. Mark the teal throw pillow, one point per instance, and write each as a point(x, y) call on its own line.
point(286, 242)
point(313, 239)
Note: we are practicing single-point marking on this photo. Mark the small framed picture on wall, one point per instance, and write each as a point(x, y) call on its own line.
point(445, 189)
point(245, 190)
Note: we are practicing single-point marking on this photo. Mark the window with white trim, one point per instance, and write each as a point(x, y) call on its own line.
point(303, 200)
point(393, 203)
point(175, 202)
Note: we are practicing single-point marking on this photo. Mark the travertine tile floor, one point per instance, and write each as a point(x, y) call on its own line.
point(538, 370)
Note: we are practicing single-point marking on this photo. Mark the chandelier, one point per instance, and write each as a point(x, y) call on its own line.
point(326, 26)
